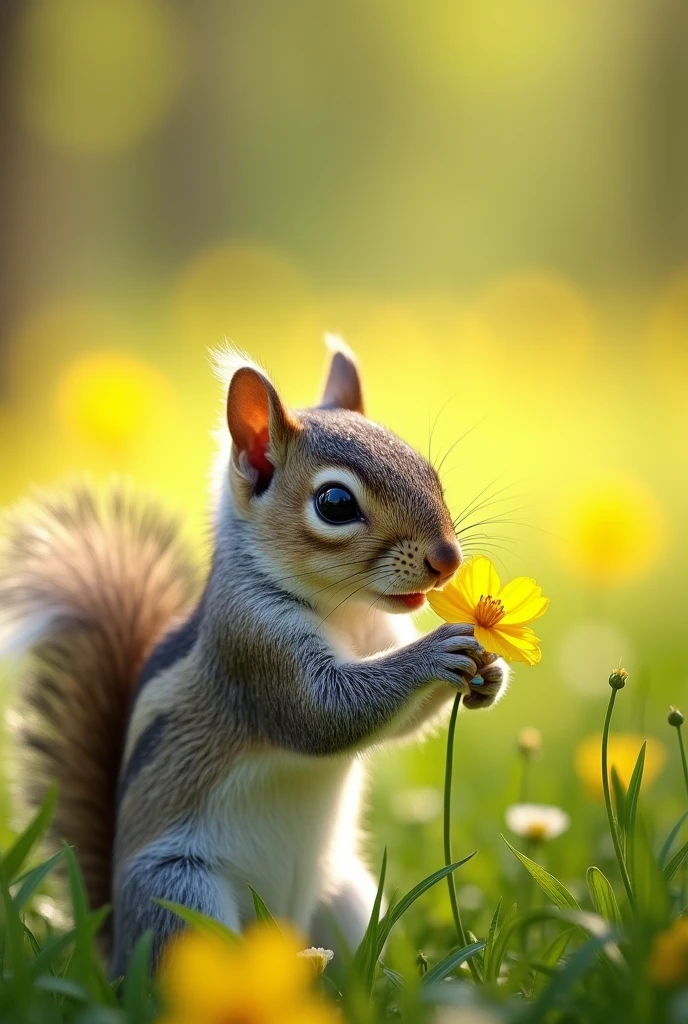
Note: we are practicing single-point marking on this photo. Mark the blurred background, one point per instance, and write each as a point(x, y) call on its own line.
point(489, 201)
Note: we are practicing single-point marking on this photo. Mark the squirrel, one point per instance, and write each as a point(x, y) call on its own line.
point(210, 738)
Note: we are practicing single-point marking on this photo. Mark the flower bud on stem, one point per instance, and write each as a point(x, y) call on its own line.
point(675, 718)
point(529, 744)
point(617, 681)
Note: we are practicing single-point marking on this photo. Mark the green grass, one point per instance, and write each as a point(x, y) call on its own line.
point(538, 948)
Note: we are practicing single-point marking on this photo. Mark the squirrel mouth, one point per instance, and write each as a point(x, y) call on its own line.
point(412, 601)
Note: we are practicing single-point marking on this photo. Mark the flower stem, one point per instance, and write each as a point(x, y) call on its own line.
point(608, 804)
point(683, 756)
point(448, 859)
point(523, 789)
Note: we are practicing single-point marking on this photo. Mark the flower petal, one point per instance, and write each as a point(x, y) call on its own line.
point(523, 601)
point(515, 643)
point(476, 578)
point(496, 643)
point(451, 605)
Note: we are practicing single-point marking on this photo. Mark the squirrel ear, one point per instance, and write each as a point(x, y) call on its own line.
point(343, 387)
point(259, 424)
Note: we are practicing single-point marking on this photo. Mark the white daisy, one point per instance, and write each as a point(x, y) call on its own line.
point(537, 821)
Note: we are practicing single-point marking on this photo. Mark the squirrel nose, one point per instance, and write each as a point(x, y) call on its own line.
point(443, 559)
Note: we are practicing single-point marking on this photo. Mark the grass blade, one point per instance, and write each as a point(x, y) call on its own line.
point(262, 912)
point(668, 842)
point(32, 879)
point(675, 863)
point(15, 858)
point(399, 909)
point(366, 956)
point(446, 966)
point(496, 951)
point(619, 796)
point(491, 936)
point(86, 967)
point(61, 987)
point(602, 896)
point(136, 989)
point(201, 922)
point(649, 886)
point(631, 808)
point(631, 805)
point(396, 979)
point(551, 886)
point(14, 965)
point(586, 923)
point(564, 979)
point(556, 949)
point(51, 956)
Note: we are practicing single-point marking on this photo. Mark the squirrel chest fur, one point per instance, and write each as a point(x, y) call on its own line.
point(207, 745)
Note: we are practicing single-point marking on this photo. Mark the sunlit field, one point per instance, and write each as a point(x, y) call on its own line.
point(490, 208)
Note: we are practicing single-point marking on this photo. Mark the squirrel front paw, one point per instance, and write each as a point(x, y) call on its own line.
point(488, 685)
point(451, 654)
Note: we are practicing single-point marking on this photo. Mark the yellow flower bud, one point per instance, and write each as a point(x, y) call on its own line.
point(529, 742)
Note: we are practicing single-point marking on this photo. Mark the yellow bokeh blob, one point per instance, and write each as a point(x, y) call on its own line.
point(250, 294)
point(110, 399)
point(622, 754)
point(613, 531)
point(538, 316)
point(98, 75)
point(488, 46)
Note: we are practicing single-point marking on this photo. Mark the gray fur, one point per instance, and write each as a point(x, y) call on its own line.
point(323, 705)
point(387, 464)
point(150, 876)
point(143, 753)
point(176, 643)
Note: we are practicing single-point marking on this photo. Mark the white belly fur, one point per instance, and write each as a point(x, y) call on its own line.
point(287, 825)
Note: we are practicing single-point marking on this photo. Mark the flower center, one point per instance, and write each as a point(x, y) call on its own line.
point(536, 830)
point(489, 611)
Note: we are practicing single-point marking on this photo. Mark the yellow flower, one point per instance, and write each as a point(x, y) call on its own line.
point(669, 955)
point(622, 754)
point(260, 979)
point(498, 613)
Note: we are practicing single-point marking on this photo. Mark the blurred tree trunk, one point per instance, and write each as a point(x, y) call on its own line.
point(10, 169)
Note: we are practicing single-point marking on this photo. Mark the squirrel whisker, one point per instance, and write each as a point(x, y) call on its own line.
point(367, 583)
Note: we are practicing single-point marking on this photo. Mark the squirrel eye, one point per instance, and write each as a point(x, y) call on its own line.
point(335, 504)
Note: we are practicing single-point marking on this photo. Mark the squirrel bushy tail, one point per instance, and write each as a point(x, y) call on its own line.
point(86, 588)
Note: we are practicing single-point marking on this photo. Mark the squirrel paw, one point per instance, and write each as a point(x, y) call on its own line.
point(488, 684)
point(452, 654)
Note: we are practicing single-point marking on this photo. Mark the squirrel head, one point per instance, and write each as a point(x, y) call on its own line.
point(338, 508)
